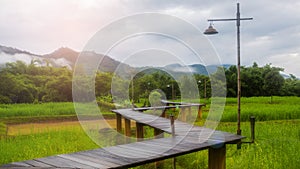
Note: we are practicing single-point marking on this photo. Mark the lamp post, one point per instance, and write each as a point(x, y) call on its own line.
point(172, 90)
point(211, 31)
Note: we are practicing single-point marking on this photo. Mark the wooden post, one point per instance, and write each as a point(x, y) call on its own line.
point(163, 114)
point(190, 109)
point(200, 112)
point(252, 124)
point(173, 135)
point(217, 158)
point(139, 131)
point(183, 114)
point(119, 123)
point(127, 130)
point(158, 134)
point(172, 125)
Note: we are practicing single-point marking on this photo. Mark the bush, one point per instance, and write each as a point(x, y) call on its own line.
point(5, 99)
point(154, 98)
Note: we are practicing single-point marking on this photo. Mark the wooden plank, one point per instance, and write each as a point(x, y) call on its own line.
point(107, 156)
point(37, 163)
point(72, 157)
point(217, 158)
point(138, 150)
point(123, 152)
point(17, 164)
point(95, 158)
point(61, 162)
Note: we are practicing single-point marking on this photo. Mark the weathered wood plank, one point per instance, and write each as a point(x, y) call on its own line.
point(111, 157)
point(94, 158)
point(37, 163)
point(17, 164)
point(61, 162)
point(72, 157)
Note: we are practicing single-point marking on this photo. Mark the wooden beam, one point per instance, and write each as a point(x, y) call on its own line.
point(139, 131)
point(217, 158)
point(119, 123)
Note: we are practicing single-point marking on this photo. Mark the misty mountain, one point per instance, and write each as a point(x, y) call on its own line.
point(62, 57)
point(66, 57)
point(194, 68)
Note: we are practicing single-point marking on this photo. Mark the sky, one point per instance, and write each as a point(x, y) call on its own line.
point(273, 36)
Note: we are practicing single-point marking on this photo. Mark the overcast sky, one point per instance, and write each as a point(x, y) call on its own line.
point(43, 26)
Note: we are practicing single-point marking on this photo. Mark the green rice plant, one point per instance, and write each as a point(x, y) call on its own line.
point(276, 145)
point(59, 108)
point(44, 144)
point(260, 107)
point(3, 130)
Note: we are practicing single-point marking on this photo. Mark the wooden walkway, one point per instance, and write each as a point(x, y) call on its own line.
point(187, 139)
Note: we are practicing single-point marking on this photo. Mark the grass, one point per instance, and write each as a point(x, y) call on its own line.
point(28, 113)
point(44, 109)
point(37, 145)
point(282, 108)
point(277, 141)
point(277, 145)
point(3, 130)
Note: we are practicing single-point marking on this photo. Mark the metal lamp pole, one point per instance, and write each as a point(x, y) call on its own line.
point(211, 31)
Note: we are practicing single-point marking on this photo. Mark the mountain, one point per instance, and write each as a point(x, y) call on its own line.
point(62, 57)
point(9, 54)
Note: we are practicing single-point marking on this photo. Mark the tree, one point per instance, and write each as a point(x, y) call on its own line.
point(273, 81)
point(218, 83)
point(291, 86)
point(231, 81)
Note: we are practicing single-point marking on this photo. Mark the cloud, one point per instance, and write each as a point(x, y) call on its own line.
point(42, 26)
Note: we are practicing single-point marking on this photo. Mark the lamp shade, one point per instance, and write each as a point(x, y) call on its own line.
point(210, 30)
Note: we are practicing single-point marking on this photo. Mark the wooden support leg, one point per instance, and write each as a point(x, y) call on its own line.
point(217, 158)
point(119, 123)
point(183, 114)
point(158, 134)
point(163, 114)
point(127, 130)
point(139, 131)
point(200, 112)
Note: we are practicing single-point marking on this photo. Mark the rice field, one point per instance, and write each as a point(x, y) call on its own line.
point(277, 141)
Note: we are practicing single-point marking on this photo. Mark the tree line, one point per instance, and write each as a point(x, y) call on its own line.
point(22, 83)
point(261, 81)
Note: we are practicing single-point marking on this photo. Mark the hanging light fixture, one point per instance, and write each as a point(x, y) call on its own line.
point(210, 30)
